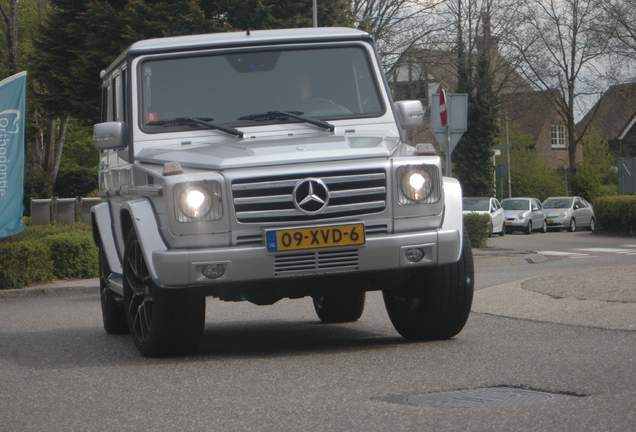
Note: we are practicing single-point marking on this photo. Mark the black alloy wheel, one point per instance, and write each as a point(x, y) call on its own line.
point(162, 321)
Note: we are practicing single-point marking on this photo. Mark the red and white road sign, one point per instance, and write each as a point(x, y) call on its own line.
point(443, 112)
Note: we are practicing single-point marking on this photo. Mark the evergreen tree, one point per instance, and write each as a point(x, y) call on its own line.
point(473, 155)
point(79, 38)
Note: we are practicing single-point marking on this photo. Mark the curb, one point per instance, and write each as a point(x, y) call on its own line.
point(59, 288)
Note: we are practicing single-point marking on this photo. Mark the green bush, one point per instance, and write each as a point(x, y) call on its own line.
point(477, 227)
point(23, 263)
point(76, 181)
point(44, 252)
point(73, 255)
point(616, 213)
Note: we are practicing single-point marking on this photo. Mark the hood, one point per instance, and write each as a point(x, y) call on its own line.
point(555, 212)
point(251, 152)
point(518, 214)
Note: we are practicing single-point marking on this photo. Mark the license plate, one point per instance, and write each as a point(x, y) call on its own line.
point(508, 223)
point(549, 220)
point(315, 237)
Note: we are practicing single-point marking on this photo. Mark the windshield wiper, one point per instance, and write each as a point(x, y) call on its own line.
point(284, 115)
point(191, 121)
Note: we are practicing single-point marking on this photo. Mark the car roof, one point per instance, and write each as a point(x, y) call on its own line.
point(237, 39)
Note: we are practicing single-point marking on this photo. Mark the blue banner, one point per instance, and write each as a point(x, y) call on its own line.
point(12, 114)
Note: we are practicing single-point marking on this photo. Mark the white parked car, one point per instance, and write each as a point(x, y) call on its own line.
point(490, 207)
point(524, 214)
point(568, 213)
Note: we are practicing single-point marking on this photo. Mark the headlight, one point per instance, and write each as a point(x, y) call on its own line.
point(564, 215)
point(415, 183)
point(198, 201)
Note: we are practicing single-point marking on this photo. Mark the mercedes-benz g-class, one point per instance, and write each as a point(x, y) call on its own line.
point(268, 165)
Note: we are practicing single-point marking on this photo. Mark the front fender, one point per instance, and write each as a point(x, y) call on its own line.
point(103, 234)
point(453, 224)
point(144, 222)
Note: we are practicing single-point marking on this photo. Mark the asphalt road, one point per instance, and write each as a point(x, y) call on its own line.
point(276, 368)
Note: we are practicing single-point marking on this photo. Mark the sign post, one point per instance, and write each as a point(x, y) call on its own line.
point(12, 107)
point(449, 117)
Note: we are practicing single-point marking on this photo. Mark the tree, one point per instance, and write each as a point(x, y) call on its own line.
point(473, 154)
point(530, 176)
point(620, 27)
point(396, 25)
point(561, 49)
point(594, 175)
point(9, 54)
point(274, 14)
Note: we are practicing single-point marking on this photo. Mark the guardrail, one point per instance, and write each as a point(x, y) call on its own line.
point(50, 210)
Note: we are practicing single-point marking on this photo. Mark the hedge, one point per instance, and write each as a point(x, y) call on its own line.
point(477, 227)
point(45, 252)
point(616, 213)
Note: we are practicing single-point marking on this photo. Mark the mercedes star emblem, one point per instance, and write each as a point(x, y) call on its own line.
point(310, 195)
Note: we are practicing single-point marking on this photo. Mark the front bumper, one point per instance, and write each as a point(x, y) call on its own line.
point(515, 224)
point(558, 222)
point(183, 267)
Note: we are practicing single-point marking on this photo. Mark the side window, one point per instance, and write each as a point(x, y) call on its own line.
point(119, 94)
point(107, 103)
point(116, 97)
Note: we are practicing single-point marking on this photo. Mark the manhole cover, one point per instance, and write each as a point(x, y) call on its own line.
point(478, 398)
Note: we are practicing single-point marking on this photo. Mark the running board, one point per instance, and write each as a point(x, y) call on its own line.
point(116, 284)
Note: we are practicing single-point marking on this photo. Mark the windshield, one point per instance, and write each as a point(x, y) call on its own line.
point(326, 83)
point(476, 204)
point(557, 203)
point(515, 204)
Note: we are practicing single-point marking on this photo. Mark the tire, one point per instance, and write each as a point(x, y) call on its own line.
point(113, 312)
point(503, 230)
point(529, 227)
point(591, 226)
point(544, 229)
point(572, 226)
point(162, 321)
point(435, 302)
point(339, 308)
point(491, 231)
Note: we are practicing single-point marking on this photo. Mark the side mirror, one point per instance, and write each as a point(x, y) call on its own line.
point(110, 136)
point(411, 113)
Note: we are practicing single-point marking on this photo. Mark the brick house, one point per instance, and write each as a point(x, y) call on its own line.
point(614, 115)
point(423, 73)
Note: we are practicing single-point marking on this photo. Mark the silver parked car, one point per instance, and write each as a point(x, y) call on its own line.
point(568, 213)
point(524, 214)
point(489, 206)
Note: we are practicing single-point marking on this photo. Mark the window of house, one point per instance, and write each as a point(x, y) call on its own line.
point(408, 91)
point(559, 136)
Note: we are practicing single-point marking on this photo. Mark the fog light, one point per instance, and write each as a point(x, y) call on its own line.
point(213, 271)
point(414, 255)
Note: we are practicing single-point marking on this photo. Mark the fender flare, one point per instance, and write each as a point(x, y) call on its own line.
point(453, 223)
point(104, 235)
point(144, 222)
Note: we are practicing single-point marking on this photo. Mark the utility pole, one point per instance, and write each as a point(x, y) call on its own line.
point(315, 4)
point(509, 168)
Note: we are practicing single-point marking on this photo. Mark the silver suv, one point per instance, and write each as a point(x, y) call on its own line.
point(268, 165)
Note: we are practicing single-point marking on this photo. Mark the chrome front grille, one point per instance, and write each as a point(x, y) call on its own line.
point(310, 263)
point(270, 199)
